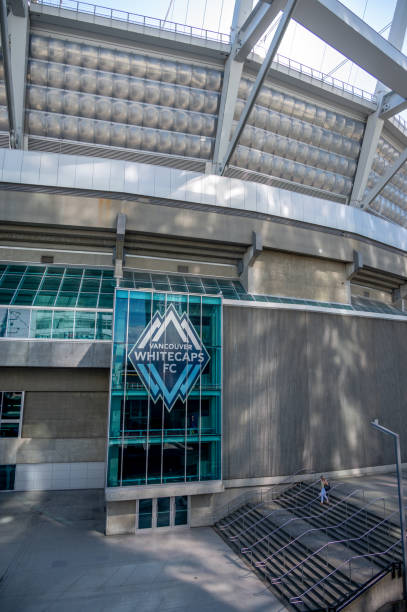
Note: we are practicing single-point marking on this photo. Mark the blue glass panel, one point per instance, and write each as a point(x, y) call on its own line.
point(18, 323)
point(11, 407)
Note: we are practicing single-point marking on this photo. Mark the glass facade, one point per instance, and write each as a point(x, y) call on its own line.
point(7, 477)
point(56, 324)
point(150, 440)
point(11, 412)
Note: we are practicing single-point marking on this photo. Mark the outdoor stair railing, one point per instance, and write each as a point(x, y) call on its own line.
point(297, 600)
point(247, 549)
point(261, 497)
point(241, 516)
point(275, 510)
point(363, 510)
point(278, 579)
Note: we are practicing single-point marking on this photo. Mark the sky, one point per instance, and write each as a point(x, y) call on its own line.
point(298, 44)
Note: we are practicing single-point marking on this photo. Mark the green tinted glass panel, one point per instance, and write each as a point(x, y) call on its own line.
point(41, 324)
point(163, 511)
point(104, 326)
point(9, 430)
point(31, 282)
point(51, 283)
point(105, 301)
point(66, 298)
point(90, 285)
point(24, 298)
point(11, 405)
point(6, 295)
point(85, 325)
point(45, 298)
point(3, 322)
point(145, 513)
point(181, 510)
point(63, 325)
point(7, 476)
point(87, 300)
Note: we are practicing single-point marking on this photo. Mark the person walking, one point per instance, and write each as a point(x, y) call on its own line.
point(324, 488)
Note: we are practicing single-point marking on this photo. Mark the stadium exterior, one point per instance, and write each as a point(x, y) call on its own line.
point(203, 256)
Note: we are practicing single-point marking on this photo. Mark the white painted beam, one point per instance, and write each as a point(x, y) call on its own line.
point(230, 87)
point(278, 35)
point(387, 176)
point(391, 104)
point(14, 35)
point(256, 24)
point(341, 29)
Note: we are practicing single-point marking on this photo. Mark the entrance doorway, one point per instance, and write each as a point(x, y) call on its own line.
point(154, 513)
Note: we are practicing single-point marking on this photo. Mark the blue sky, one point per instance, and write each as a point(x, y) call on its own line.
point(298, 44)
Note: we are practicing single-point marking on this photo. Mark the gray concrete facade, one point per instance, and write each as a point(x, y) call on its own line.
point(300, 389)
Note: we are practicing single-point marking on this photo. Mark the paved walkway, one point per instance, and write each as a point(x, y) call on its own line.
point(55, 558)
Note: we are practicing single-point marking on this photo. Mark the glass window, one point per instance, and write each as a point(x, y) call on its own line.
point(163, 511)
point(104, 326)
point(66, 298)
point(71, 283)
point(180, 444)
point(7, 476)
point(145, 513)
point(181, 510)
point(134, 464)
point(8, 430)
point(31, 282)
point(63, 324)
point(6, 296)
point(18, 323)
point(87, 300)
point(41, 324)
point(24, 298)
point(105, 300)
point(90, 285)
point(3, 322)
point(45, 298)
point(51, 283)
point(85, 325)
point(11, 408)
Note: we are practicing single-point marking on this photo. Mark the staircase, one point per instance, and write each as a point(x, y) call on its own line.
point(316, 557)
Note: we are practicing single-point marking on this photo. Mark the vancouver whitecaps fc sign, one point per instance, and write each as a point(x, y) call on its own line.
point(169, 357)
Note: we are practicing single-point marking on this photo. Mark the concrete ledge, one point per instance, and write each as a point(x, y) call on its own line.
point(55, 353)
point(272, 480)
point(166, 490)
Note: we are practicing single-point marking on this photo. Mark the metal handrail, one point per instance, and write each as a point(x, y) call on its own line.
point(248, 495)
point(296, 518)
point(136, 19)
point(298, 599)
point(352, 516)
point(256, 523)
point(343, 541)
point(223, 527)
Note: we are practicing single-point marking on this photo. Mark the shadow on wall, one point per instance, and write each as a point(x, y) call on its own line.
point(300, 389)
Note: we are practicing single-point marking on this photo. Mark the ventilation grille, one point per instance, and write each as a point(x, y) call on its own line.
point(67, 147)
point(257, 177)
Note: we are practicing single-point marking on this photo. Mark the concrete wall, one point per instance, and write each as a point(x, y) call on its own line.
point(65, 415)
point(278, 273)
point(300, 389)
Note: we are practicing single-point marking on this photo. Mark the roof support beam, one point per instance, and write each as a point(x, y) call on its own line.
point(375, 121)
point(255, 25)
point(231, 80)
point(278, 35)
point(14, 36)
point(341, 29)
point(392, 103)
point(245, 267)
point(387, 176)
